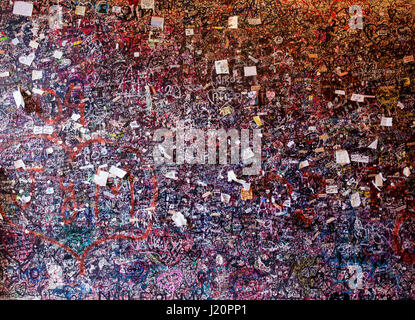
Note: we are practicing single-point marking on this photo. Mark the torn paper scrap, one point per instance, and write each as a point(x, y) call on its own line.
point(179, 219)
point(18, 98)
point(19, 164)
point(406, 172)
point(374, 144)
point(355, 199)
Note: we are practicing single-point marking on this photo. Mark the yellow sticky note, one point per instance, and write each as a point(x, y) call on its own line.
point(80, 10)
point(258, 121)
point(225, 111)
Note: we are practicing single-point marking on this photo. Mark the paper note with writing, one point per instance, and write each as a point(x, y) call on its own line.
point(80, 10)
point(116, 9)
point(359, 158)
point(37, 91)
point(23, 8)
point(147, 4)
point(342, 157)
point(222, 67)
point(379, 180)
point(340, 92)
point(408, 59)
point(233, 22)
point(55, 18)
point(386, 122)
point(37, 74)
point(406, 172)
point(75, 117)
point(171, 175)
point(258, 121)
point(304, 164)
point(42, 130)
point(357, 97)
point(331, 189)
point(225, 197)
point(33, 44)
point(254, 21)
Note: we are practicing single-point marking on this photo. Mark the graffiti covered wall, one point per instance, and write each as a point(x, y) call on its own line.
point(87, 212)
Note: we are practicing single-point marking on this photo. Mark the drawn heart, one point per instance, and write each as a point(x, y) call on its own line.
point(170, 280)
point(76, 247)
point(170, 248)
point(270, 95)
point(16, 246)
point(246, 284)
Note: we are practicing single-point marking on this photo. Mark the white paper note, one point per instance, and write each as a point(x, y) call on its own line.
point(57, 54)
point(250, 71)
point(18, 98)
point(386, 122)
point(27, 60)
point(222, 67)
point(342, 157)
point(22, 8)
point(117, 172)
point(233, 22)
point(357, 97)
point(37, 74)
point(101, 179)
point(179, 219)
point(331, 189)
point(19, 164)
point(355, 199)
